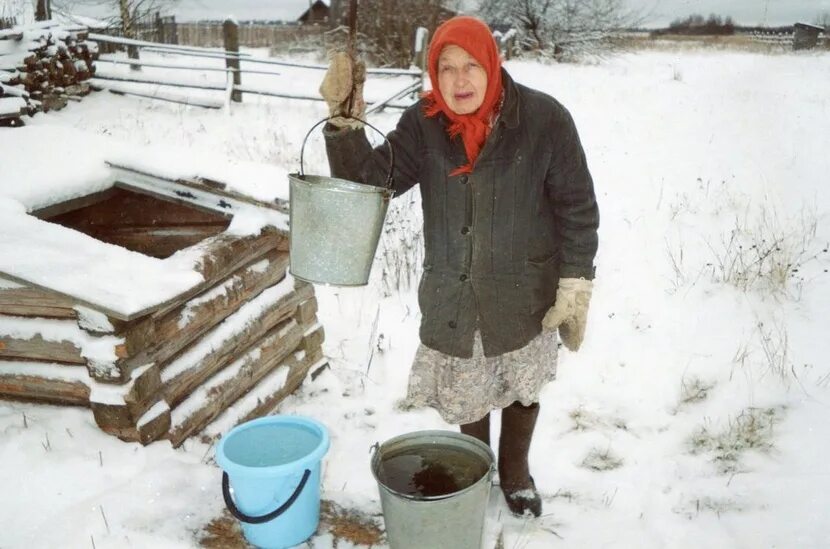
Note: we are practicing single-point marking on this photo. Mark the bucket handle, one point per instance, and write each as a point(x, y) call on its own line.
point(226, 493)
point(388, 183)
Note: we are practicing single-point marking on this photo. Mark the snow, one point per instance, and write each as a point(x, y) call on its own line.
point(126, 282)
point(693, 415)
point(155, 411)
point(228, 328)
point(101, 348)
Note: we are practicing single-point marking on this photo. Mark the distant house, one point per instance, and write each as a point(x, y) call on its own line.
point(318, 13)
point(805, 36)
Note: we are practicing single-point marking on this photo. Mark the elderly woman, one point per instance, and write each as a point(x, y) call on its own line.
point(510, 234)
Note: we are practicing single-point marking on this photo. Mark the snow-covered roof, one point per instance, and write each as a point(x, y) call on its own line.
point(44, 165)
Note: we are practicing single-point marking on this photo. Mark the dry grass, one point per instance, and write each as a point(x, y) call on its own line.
point(675, 42)
point(349, 525)
point(752, 429)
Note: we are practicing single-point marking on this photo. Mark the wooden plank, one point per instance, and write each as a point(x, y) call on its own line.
point(159, 338)
point(74, 204)
point(37, 389)
point(203, 184)
point(158, 241)
point(158, 96)
point(225, 254)
point(37, 348)
point(298, 369)
point(178, 388)
point(273, 350)
point(35, 302)
point(156, 82)
point(307, 312)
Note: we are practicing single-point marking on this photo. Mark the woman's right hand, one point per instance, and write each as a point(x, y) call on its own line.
point(342, 89)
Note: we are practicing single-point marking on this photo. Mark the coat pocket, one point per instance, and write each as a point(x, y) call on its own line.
point(542, 280)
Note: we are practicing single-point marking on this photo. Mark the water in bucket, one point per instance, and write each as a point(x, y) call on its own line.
point(431, 470)
point(273, 466)
point(434, 487)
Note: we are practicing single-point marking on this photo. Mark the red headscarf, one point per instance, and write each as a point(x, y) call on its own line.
point(475, 37)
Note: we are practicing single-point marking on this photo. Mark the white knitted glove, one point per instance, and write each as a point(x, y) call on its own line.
point(344, 82)
point(570, 312)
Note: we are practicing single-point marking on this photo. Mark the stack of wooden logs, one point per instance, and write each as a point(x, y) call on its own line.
point(42, 67)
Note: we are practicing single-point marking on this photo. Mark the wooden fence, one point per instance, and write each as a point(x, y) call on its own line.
point(783, 39)
point(210, 35)
point(237, 64)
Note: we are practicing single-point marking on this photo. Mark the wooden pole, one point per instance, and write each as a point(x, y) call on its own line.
point(42, 11)
point(231, 36)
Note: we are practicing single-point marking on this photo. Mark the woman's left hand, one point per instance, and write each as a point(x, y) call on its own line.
point(570, 311)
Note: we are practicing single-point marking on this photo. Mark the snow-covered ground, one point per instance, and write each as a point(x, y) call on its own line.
point(695, 413)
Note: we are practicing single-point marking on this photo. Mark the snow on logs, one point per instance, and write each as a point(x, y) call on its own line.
point(42, 66)
point(222, 352)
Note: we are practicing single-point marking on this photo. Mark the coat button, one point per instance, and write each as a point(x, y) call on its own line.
point(462, 278)
point(463, 180)
point(452, 324)
point(465, 230)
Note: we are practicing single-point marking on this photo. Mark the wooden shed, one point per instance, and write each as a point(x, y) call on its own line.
point(232, 321)
point(805, 36)
point(317, 13)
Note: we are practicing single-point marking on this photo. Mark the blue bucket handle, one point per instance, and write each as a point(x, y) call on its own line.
point(226, 493)
point(388, 182)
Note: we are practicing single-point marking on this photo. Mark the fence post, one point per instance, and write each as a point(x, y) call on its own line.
point(174, 30)
point(42, 11)
point(230, 30)
point(421, 38)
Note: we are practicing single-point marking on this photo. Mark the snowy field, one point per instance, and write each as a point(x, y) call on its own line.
point(694, 415)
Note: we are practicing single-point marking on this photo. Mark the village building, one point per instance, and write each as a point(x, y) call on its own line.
point(805, 36)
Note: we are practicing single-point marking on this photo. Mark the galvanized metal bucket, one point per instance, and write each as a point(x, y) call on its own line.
point(335, 225)
point(454, 520)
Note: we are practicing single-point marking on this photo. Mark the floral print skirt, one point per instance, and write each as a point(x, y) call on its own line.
point(464, 390)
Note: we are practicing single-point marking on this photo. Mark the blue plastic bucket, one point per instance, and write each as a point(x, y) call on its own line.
point(273, 465)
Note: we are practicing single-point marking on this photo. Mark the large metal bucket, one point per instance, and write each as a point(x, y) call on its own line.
point(453, 520)
point(335, 225)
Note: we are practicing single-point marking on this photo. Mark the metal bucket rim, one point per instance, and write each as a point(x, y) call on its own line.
point(335, 184)
point(485, 478)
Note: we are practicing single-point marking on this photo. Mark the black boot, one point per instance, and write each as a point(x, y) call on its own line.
point(517, 423)
point(479, 429)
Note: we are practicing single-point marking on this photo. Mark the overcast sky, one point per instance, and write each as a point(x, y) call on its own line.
point(657, 12)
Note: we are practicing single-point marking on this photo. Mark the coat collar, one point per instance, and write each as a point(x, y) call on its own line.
point(510, 110)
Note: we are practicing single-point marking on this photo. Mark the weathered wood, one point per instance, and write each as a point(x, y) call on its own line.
point(225, 254)
point(206, 185)
point(298, 371)
point(39, 389)
point(307, 312)
point(75, 204)
point(273, 350)
point(156, 82)
point(160, 241)
point(154, 429)
point(231, 38)
point(178, 388)
point(313, 340)
point(158, 338)
point(37, 348)
point(35, 302)
point(124, 209)
point(122, 418)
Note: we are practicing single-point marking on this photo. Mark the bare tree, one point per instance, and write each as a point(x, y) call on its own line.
point(547, 25)
point(823, 20)
point(126, 17)
point(387, 30)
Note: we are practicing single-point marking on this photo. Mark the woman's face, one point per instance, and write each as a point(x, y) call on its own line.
point(462, 80)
